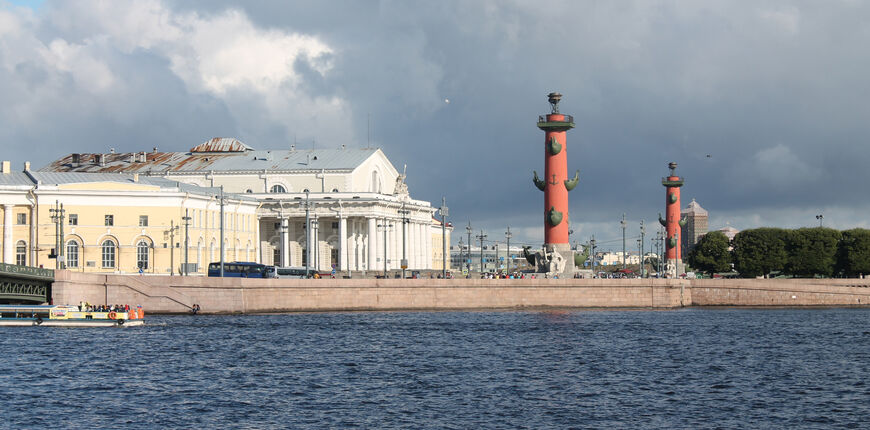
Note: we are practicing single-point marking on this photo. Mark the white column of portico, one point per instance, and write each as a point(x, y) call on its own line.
point(352, 245)
point(354, 240)
point(285, 242)
point(372, 243)
point(418, 246)
point(412, 250)
point(355, 263)
point(342, 242)
point(310, 246)
point(7, 234)
point(428, 244)
point(422, 245)
point(395, 241)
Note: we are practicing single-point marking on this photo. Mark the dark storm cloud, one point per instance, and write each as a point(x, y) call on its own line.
point(773, 92)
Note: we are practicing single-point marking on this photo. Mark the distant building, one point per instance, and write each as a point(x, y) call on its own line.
point(729, 232)
point(696, 225)
point(495, 258)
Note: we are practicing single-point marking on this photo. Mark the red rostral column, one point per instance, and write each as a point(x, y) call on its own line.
point(556, 183)
point(672, 221)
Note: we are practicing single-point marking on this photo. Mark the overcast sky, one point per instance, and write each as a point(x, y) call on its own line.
point(764, 105)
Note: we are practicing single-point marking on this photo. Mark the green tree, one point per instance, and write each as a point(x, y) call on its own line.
point(581, 257)
point(711, 254)
point(853, 256)
point(759, 251)
point(812, 251)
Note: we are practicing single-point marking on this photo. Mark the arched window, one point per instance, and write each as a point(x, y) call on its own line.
point(142, 254)
point(72, 254)
point(277, 189)
point(21, 253)
point(376, 182)
point(108, 248)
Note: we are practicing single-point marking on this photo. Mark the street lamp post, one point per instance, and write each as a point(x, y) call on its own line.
point(222, 230)
point(404, 213)
point(186, 218)
point(386, 225)
point(461, 253)
point(443, 210)
point(307, 205)
point(623, 239)
point(641, 259)
point(172, 229)
point(662, 249)
point(508, 236)
point(57, 214)
point(481, 236)
point(820, 218)
point(468, 254)
point(642, 232)
point(592, 244)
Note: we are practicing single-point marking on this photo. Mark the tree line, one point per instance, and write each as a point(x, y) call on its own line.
point(803, 252)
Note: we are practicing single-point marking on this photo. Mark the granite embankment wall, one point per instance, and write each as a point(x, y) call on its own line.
point(165, 294)
point(781, 292)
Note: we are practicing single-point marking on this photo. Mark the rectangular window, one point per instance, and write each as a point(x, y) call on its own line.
point(73, 219)
point(21, 219)
point(110, 221)
point(143, 220)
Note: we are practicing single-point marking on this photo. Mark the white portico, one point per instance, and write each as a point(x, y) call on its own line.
point(349, 231)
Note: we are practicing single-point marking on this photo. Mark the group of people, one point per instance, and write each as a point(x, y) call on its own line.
point(87, 307)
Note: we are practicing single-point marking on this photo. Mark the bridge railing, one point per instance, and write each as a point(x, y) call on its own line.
point(27, 272)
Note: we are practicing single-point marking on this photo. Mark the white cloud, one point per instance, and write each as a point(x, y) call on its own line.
point(95, 46)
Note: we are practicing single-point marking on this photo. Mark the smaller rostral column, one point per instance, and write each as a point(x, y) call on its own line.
point(556, 258)
point(673, 223)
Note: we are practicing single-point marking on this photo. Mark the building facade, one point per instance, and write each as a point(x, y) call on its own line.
point(344, 209)
point(119, 223)
point(696, 224)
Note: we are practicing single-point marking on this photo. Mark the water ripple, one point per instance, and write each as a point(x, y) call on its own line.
point(692, 368)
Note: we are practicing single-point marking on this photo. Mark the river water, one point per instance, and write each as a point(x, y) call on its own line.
point(689, 368)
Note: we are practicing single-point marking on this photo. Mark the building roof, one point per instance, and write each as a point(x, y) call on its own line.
point(694, 209)
point(221, 144)
point(15, 178)
point(219, 155)
point(60, 178)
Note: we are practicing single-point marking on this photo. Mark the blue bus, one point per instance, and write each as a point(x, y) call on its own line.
point(241, 269)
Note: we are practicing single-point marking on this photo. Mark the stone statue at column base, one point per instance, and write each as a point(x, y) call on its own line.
point(555, 260)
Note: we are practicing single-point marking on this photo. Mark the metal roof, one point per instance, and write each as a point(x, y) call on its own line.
point(15, 178)
point(183, 162)
point(221, 144)
point(694, 208)
point(59, 178)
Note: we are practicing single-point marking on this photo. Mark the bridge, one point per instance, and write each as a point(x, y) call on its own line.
point(25, 284)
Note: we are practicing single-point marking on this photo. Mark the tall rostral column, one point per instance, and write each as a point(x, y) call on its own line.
point(672, 222)
point(557, 256)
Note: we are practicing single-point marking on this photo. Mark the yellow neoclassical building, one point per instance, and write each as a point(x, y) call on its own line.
point(343, 209)
point(119, 223)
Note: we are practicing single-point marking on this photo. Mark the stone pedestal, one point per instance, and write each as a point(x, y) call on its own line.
point(555, 260)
